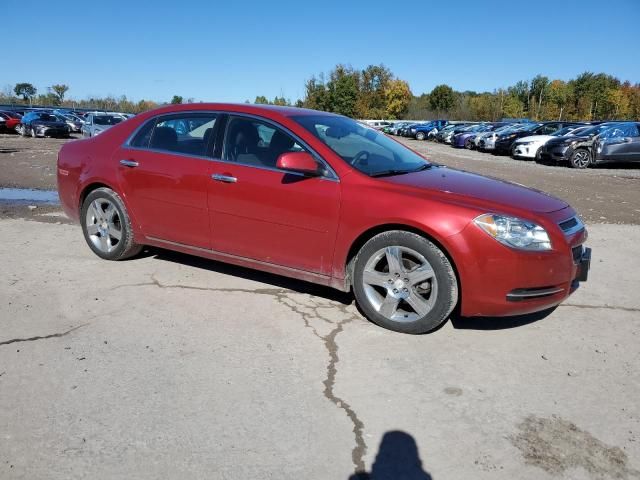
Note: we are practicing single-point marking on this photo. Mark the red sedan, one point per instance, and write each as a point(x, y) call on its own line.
point(322, 198)
point(11, 120)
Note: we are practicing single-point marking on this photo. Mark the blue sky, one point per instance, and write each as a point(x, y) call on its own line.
point(234, 50)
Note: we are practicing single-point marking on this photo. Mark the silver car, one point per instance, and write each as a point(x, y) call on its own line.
point(96, 123)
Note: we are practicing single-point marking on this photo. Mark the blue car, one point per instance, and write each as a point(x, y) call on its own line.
point(421, 131)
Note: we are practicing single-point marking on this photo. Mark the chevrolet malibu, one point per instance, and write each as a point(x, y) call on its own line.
point(322, 198)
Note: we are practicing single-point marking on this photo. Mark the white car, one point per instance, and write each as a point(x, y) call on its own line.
point(529, 147)
point(487, 140)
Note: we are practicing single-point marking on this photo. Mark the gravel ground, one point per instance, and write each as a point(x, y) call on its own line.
point(169, 366)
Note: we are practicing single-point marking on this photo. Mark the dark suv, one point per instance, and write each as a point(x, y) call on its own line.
point(575, 149)
point(620, 143)
point(41, 124)
point(420, 131)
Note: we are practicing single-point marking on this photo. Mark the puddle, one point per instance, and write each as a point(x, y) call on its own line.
point(26, 195)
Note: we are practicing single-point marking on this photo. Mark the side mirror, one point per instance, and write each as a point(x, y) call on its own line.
point(300, 162)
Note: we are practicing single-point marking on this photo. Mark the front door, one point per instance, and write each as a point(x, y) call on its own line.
point(164, 176)
point(266, 214)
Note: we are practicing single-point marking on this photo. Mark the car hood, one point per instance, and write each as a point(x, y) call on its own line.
point(568, 139)
point(536, 138)
point(484, 189)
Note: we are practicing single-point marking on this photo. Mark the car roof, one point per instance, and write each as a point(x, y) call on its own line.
point(240, 108)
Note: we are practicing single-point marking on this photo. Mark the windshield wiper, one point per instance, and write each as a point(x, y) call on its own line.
point(391, 172)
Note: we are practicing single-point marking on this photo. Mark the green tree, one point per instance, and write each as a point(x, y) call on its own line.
point(372, 96)
point(442, 98)
point(25, 90)
point(59, 90)
point(261, 100)
point(177, 99)
point(539, 88)
point(343, 91)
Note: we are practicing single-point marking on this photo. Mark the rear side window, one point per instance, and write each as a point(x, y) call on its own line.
point(187, 133)
point(142, 138)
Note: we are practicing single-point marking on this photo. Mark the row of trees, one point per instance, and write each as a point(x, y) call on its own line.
point(589, 96)
point(27, 94)
point(375, 92)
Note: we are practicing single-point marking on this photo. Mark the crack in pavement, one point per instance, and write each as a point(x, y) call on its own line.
point(43, 337)
point(308, 313)
point(607, 307)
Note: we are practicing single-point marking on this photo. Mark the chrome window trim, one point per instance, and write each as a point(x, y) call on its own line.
point(333, 175)
point(575, 229)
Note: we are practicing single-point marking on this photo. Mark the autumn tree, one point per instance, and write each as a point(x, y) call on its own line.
point(397, 98)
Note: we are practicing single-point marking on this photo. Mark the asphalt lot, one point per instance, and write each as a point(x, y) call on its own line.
point(169, 366)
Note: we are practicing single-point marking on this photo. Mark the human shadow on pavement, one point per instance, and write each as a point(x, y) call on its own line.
point(397, 459)
point(278, 281)
point(497, 323)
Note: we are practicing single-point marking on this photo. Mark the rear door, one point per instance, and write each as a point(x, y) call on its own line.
point(163, 172)
point(260, 212)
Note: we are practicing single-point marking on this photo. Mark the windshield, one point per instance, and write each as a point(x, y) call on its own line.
point(106, 120)
point(563, 131)
point(366, 149)
point(591, 131)
point(47, 117)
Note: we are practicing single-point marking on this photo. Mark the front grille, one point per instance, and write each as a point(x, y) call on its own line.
point(576, 253)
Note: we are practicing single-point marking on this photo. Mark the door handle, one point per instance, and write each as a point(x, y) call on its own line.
point(129, 163)
point(224, 178)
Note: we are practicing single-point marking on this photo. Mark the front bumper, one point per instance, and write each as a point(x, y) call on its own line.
point(52, 132)
point(522, 150)
point(556, 153)
point(500, 281)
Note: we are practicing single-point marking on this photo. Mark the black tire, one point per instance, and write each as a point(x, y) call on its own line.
point(468, 144)
point(580, 158)
point(126, 247)
point(420, 136)
point(447, 285)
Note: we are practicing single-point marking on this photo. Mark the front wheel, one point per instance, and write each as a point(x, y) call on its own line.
point(468, 144)
point(581, 158)
point(405, 283)
point(420, 136)
point(107, 227)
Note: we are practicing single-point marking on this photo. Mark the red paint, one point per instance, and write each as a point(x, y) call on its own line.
point(305, 226)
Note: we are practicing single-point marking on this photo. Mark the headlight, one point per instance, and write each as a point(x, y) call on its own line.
point(524, 143)
point(413, 130)
point(514, 232)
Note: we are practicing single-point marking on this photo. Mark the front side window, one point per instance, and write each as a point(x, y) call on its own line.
point(185, 133)
point(253, 142)
point(622, 130)
point(367, 150)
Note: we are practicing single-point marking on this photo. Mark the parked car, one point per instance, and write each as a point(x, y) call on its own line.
point(395, 128)
point(529, 148)
point(74, 123)
point(446, 134)
point(10, 120)
point(42, 124)
point(504, 142)
point(96, 123)
point(465, 138)
point(620, 143)
point(405, 130)
point(574, 149)
point(486, 142)
point(421, 131)
point(306, 194)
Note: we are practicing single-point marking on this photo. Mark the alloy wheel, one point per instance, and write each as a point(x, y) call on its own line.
point(400, 284)
point(581, 159)
point(104, 226)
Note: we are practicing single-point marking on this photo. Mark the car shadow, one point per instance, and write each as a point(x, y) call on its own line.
point(497, 323)
point(300, 286)
point(279, 281)
point(397, 458)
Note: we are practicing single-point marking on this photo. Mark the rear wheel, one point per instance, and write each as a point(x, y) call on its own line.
point(403, 282)
point(581, 158)
point(107, 227)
